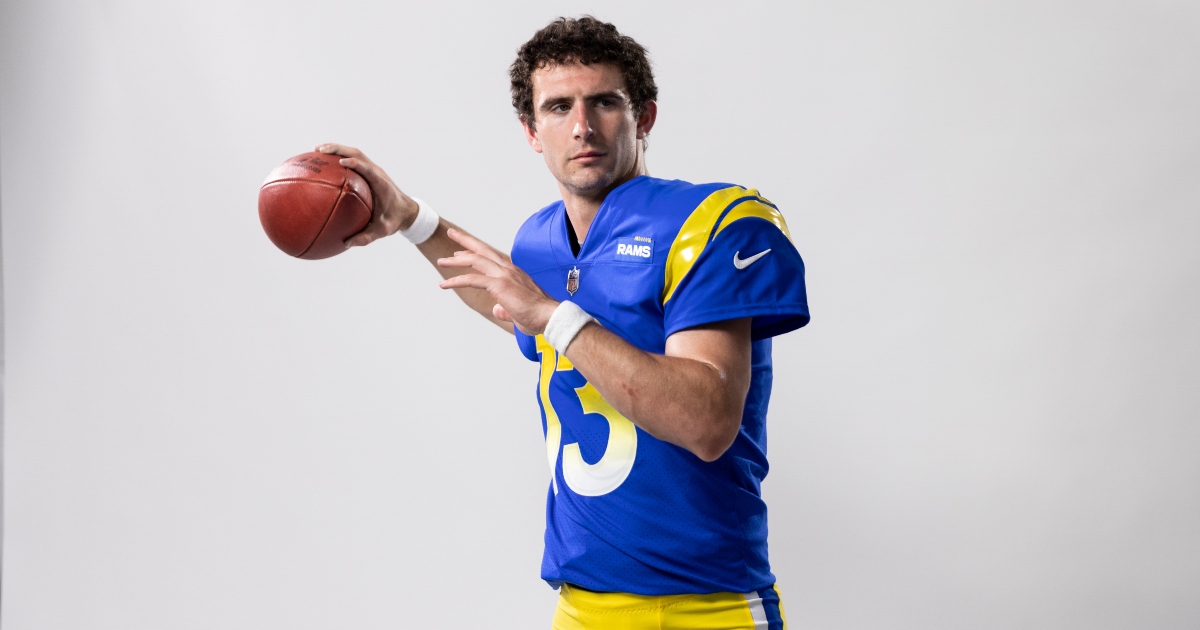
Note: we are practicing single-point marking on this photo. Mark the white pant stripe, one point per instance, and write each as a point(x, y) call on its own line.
point(757, 612)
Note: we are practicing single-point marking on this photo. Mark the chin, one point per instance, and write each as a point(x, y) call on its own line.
point(590, 181)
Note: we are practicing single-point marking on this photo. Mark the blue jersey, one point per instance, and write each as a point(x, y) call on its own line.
point(625, 511)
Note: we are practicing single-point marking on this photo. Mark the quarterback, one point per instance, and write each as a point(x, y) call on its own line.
point(649, 306)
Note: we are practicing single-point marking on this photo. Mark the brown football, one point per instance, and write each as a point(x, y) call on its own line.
point(310, 205)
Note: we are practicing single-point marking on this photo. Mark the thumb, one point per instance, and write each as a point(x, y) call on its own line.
point(501, 314)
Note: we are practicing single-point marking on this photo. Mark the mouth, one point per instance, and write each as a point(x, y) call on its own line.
point(588, 157)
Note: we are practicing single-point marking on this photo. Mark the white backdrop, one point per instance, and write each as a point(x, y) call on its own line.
point(992, 422)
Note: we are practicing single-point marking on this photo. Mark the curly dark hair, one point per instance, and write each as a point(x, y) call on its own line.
point(584, 40)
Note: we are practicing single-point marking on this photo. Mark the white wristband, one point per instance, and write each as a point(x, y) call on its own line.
point(423, 226)
point(566, 322)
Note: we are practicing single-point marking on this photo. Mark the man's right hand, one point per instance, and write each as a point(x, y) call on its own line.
point(393, 210)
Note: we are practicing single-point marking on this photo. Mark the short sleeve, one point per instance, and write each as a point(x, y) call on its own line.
point(746, 266)
point(526, 344)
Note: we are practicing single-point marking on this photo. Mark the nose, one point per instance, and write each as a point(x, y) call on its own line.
point(583, 124)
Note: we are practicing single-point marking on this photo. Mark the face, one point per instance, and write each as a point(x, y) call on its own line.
point(585, 127)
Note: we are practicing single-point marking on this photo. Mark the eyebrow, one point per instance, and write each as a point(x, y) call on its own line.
point(615, 95)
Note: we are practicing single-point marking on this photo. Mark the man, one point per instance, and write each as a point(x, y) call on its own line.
point(650, 305)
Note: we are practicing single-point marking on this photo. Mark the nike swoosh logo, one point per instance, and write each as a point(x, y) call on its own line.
point(742, 263)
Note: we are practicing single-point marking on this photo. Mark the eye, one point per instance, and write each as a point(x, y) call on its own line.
point(560, 108)
point(605, 102)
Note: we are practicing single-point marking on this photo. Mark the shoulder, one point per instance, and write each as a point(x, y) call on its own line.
point(726, 212)
point(681, 207)
point(663, 201)
point(690, 216)
point(725, 204)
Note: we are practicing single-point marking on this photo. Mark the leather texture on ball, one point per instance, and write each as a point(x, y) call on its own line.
point(310, 205)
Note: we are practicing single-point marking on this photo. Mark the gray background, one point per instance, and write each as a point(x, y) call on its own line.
point(992, 421)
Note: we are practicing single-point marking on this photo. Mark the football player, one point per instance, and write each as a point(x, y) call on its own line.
point(650, 306)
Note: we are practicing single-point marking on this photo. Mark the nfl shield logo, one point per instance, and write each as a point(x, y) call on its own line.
point(573, 280)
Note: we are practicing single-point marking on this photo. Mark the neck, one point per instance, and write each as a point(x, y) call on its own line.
point(582, 206)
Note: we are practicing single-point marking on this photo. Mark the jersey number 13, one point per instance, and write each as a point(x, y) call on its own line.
point(610, 471)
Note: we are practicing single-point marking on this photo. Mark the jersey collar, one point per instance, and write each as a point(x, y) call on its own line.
point(599, 230)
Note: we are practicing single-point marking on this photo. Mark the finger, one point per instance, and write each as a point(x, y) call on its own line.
point(462, 238)
point(475, 261)
point(467, 281)
point(376, 179)
point(367, 169)
point(475, 245)
point(454, 261)
point(374, 230)
point(339, 149)
point(499, 313)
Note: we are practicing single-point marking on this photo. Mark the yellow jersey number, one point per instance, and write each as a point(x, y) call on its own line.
point(606, 475)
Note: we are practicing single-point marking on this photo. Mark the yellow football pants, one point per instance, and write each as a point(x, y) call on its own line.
point(580, 609)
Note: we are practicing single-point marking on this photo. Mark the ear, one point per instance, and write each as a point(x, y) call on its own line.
point(646, 120)
point(531, 136)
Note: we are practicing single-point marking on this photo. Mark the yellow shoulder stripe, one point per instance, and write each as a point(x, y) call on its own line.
point(755, 208)
point(701, 227)
point(693, 236)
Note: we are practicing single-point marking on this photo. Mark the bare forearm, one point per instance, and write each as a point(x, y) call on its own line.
point(394, 211)
point(691, 403)
point(440, 246)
